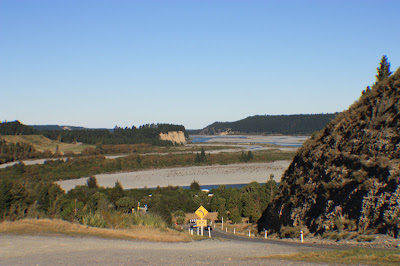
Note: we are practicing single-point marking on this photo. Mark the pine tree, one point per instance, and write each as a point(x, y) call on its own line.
point(383, 69)
point(116, 192)
point(195, 185)
point(91, 182)
point(203, 155)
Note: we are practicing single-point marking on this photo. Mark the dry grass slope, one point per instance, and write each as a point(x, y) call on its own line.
point(352, 256)
point(42, 143)
point(59, 227)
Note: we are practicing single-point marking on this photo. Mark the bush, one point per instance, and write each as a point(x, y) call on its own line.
point(289, 232)
point(149, 219)
point(124, 204)
point(94, 220)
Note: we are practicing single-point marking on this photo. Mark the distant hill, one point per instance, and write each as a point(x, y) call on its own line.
point(148, 134)
point(271, 124)
point(345, 178)
point(60, 128)
point(16, 128)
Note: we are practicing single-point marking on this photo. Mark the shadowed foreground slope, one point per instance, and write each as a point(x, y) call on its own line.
point(346, 177)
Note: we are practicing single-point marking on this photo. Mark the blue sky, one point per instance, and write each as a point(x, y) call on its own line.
point(101, 63)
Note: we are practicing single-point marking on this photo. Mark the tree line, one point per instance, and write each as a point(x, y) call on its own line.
point(10, 152)
point(147, 134)
point(29, 198)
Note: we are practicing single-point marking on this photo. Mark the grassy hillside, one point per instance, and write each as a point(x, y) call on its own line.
point(41, 143)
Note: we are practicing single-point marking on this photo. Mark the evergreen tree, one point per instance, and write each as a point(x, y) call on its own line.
point(195, 185)
point(243, 157)
point(116, 192)
point(92, 182)
point(203, 155)
point(200, 158)
point(383, 69)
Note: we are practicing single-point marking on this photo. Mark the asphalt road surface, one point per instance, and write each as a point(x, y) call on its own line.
point(50, 250)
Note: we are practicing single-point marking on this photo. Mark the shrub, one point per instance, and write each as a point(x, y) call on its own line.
point(289, 232)
point(149, 219)
point(124, 204)
point(365, 238)
point(94, 220)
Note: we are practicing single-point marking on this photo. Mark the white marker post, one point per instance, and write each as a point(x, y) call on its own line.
point(301, 236)
point(226, 229)
point(209, 232)
point(266, 234)
point(234, 231)
point(249, 233)
point(198, 230)
point(222, 225)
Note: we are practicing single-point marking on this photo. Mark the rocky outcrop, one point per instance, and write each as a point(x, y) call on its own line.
point(346, 177)
point(177, 137)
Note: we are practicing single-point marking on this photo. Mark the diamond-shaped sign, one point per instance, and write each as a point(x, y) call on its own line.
point(201, 212)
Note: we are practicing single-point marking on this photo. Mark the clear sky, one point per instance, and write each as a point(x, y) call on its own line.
point(101, 63)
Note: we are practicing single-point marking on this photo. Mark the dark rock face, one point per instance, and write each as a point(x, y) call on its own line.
point(346, 177)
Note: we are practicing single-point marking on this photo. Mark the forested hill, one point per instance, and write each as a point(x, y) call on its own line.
point(149, 133)
point(56, 127)
point(273, 124)
point(16, 128)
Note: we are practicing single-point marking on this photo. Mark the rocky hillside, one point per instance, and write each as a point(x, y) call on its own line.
point(345, 178)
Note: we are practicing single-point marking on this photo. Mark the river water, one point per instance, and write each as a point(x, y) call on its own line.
point(286, 141)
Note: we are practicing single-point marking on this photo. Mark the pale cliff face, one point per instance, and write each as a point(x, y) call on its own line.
point(174, 136)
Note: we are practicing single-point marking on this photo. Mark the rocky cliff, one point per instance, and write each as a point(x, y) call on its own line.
point(174, 136)
point(346, 176)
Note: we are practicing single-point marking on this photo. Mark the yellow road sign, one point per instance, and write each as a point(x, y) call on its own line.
point(201, 223)
point(201, 212)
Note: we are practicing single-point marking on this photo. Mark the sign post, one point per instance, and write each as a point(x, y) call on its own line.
point(201, 212)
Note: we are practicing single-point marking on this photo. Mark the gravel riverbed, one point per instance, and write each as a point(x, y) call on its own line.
point(184, 176)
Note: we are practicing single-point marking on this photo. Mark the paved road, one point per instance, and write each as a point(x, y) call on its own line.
point(48, 250)
point(217, 233)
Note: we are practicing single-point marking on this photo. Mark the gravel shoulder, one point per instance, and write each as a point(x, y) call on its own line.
point(47, 250)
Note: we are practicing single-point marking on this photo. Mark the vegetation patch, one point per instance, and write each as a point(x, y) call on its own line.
point(42, 144)
point(59, 227)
